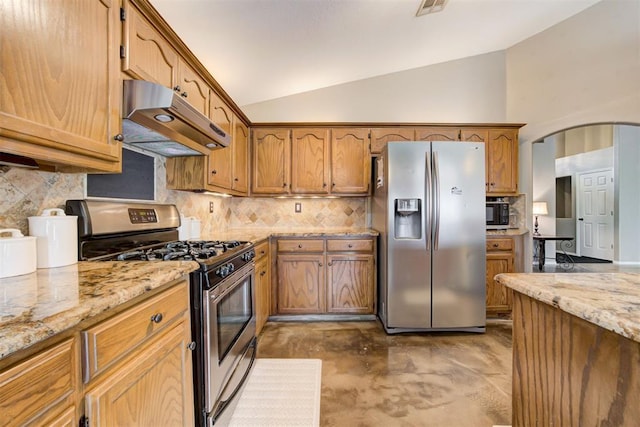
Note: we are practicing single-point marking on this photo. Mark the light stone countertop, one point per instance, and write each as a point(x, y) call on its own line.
point(608, 300)
point(36, 306)
point(258, 234)
point(507, 232)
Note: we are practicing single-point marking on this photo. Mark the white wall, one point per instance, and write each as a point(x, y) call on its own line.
point(627, 196)
point(470, 90)
point(584, 70)
point(544, 190)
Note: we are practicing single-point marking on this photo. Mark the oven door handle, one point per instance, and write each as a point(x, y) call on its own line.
point(241, 274)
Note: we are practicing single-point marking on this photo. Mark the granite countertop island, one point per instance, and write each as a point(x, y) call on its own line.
point(36, 306)
point(608, 300)
point(576, 347)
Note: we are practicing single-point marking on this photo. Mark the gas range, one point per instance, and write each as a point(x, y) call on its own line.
point(112, 231)
point(221, 290)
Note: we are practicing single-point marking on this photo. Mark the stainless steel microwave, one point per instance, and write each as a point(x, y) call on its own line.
point(497, 214)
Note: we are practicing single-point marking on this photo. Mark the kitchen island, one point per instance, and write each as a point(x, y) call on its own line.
point(576, 348)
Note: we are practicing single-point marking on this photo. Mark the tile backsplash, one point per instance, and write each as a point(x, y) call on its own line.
point(25, 193)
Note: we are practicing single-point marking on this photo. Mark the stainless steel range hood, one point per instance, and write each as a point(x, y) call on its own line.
point(158, 119)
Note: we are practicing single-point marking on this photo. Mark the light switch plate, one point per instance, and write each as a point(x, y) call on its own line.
point(298, 207)
point(210, 207)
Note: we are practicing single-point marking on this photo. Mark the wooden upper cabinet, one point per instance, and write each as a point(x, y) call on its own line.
point(310, 161)
point(60, 89)
point(350, 161)
point(240, 157)
point(148, 55)
point(438, 134)
point(474, 135)
point(502, 161)
point(380, 137)
point(192, 87)
point(271, 150)
point(221, 159)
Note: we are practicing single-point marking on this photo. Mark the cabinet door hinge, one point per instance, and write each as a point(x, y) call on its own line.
point(84, 421)
point(122, 52)
point(123, 15)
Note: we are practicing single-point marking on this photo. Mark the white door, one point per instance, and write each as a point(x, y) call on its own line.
point(595, 214)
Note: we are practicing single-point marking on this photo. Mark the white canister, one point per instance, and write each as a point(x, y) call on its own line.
point(17, 253)
point(57, 238)
point(184, 231)
point(195, 229)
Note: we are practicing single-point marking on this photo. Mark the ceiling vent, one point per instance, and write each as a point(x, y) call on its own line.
point(431, 6)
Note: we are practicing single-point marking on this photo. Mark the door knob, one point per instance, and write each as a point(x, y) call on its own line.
point(580, 219)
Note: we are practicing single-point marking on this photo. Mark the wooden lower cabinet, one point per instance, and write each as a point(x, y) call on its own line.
point(142, 370)
point(147, 377)
point(301, 284)
point(320, 276)
point(502, 257)
point(262, 285)
point(154, 386)
point(349, 279)
point(42, 389)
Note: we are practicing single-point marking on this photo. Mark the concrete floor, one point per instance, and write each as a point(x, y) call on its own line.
point(370, 378)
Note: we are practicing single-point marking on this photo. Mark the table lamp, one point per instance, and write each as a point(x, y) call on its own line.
point(539, 208)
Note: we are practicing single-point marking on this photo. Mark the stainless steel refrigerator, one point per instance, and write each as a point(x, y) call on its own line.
point(429, 207)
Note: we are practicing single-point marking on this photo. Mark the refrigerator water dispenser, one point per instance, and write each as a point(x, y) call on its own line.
point(408, 215)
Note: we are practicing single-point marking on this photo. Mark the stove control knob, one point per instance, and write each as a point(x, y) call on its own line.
point(223, 271)
point(230, 268)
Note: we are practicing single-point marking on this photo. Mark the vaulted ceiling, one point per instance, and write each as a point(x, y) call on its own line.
point(265, 49)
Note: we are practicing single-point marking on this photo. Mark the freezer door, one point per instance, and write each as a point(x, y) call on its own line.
point(458, 257)
point(407, 296)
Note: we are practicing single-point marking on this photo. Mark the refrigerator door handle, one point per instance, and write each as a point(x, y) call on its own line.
point(436, 200)
point(427, 200)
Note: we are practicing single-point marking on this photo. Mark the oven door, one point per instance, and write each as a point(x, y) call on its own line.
point(229, 322)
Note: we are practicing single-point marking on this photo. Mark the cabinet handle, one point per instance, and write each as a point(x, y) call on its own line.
point(284, 185)
point(213, 172)
point(177, 88)
point(495, 245)
point(119, 137)
point(261, 252)
point(324, 185)
point(263, 273)
point(320, 264)
point(330, 264)
point(156, 318)
point(184, 94)
point(350, 245)
point(333, 184)
point(236, 179)
point(299, 246)
point(192, 345)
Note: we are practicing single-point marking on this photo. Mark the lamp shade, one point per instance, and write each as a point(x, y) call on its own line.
point(540, 208)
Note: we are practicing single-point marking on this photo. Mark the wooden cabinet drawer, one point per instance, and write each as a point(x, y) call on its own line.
point(109, 341)
point(262, 249)
point(360, 245)
point(40, 385)
point(301, 245)
point(499, 245)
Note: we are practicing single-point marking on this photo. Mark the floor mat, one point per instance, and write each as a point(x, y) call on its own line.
point(281, 392)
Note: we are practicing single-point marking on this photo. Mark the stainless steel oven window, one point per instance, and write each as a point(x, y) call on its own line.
point(226, 341)
point(234, 311)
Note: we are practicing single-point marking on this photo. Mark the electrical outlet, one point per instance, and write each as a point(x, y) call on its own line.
point(210, 207)
point(298, 207)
